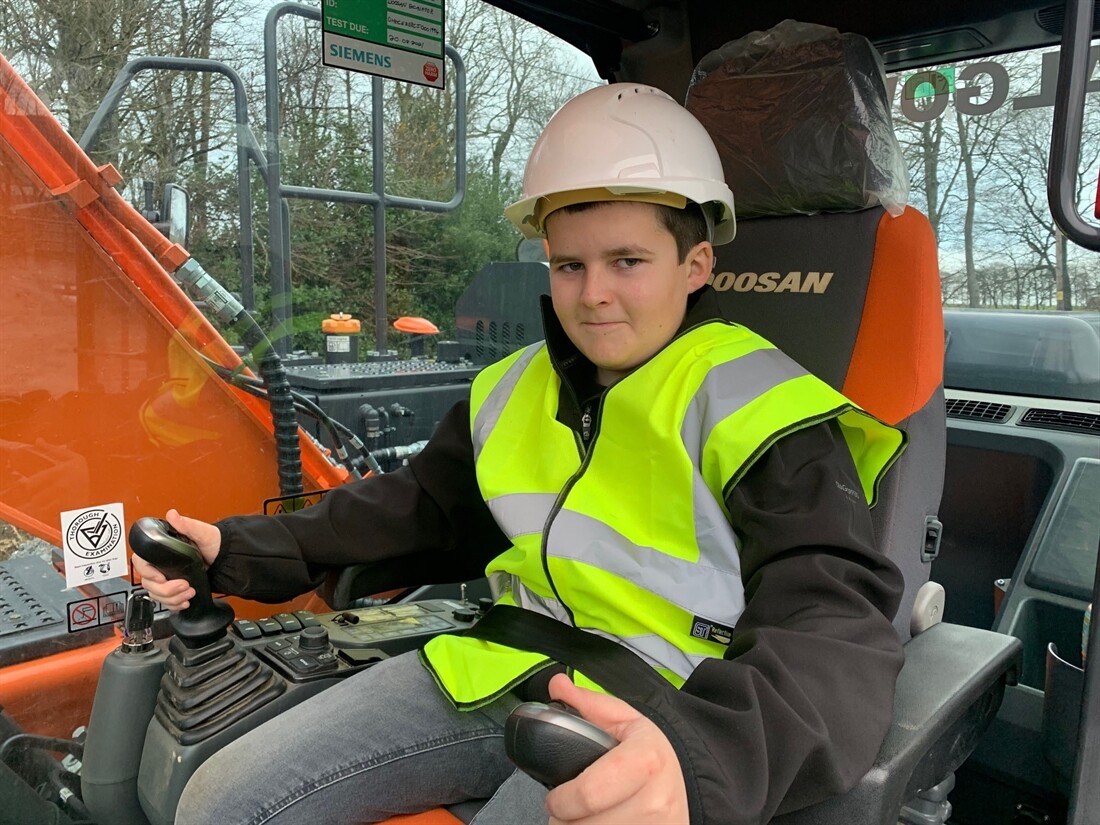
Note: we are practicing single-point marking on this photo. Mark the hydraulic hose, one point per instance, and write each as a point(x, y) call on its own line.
point(284, 420)
point(353, 463)
point(398, 453)
point(283, 417)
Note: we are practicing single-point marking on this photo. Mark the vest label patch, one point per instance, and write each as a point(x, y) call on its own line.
point(711, 631)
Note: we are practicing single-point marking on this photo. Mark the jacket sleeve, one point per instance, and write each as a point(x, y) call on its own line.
point(430, 509)
point(797, 708)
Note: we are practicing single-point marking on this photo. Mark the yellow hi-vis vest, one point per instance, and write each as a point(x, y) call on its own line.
point(631, 540)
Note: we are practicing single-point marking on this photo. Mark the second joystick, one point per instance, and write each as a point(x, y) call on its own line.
point(552, 743)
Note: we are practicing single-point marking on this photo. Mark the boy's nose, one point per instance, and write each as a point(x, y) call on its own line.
point(596, 287)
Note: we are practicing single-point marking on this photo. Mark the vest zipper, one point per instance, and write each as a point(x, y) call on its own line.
point(582, 448)
point(592, 428)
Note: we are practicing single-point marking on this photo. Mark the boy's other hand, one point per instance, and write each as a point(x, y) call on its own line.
point(639, 781)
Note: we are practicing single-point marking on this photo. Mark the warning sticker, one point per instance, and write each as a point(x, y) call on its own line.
point(289, 504)
point(96, 611)
point(83, 614)
point(93, 543)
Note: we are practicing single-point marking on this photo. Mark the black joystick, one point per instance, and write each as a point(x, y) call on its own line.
point(176, 556)
point(551, 743)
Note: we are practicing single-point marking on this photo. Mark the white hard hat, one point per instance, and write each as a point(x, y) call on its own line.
point(625, 141)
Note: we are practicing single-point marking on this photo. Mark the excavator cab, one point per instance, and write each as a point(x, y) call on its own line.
point(132, 381)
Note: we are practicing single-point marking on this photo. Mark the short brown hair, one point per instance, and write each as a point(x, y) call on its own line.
point(688, 225)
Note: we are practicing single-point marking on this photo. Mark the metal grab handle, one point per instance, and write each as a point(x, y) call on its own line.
point(1065, 138)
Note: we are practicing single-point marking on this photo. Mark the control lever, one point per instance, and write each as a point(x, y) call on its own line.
point(177, 557)
point(551, 743)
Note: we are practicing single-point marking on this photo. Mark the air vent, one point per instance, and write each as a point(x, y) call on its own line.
point(21, 608)
point(1053, 17)
point(982, 410)
point(1078, 422)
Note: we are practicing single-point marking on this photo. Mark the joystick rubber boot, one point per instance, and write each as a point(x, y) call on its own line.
point(176, 556)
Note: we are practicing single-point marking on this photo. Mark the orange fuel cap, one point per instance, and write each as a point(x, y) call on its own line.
point(340, 322)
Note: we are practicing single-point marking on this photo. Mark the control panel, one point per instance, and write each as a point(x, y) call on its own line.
point(303, 646)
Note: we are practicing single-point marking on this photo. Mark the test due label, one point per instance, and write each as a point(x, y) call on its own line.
point(94, 545)
point(338, 343)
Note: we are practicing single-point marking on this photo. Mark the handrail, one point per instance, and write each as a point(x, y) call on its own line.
point(247, 147)
point(1065, 138)
point(282, 302)
point(142, 255)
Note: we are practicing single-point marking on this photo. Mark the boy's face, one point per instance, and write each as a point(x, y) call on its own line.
point(618, 286)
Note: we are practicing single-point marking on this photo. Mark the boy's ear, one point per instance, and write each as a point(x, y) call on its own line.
point(700, 261)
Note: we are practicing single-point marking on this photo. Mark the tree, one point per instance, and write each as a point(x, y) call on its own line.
point(179, 127)
point(981, 174)
point(69, 51)
point(513, 87)
point(169, 126)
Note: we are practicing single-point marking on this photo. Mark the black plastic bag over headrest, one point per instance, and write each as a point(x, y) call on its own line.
point(801, 119)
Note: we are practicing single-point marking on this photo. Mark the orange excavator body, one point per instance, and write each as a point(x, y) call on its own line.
point(107, 393)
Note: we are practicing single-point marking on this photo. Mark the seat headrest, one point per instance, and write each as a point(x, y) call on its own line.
point(801, 119)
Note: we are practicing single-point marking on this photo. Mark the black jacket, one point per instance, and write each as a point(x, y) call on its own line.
point(795, 711)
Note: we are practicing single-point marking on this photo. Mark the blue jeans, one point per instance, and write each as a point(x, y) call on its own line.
point(383, 742)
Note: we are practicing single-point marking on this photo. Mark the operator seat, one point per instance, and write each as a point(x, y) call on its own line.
point(832, 267)
point(829, 264)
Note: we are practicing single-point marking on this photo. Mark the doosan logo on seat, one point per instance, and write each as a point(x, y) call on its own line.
point(816, 282)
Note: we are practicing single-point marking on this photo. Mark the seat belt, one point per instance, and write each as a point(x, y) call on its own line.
point(617, 670)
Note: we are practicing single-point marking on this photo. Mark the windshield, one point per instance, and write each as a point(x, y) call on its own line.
point(1022, 306)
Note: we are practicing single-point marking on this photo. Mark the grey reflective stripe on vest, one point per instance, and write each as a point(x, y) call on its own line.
point(656, 651)
point(521, 514)
point(489, 413)
point(529, 600)
point(728, 387)
point(710, 587)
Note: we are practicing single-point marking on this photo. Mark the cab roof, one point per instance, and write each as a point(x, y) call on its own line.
point(660, 41)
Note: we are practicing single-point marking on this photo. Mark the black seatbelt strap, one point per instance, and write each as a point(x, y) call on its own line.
point(610, 665)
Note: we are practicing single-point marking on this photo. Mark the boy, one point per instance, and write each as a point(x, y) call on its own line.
point(649, 474)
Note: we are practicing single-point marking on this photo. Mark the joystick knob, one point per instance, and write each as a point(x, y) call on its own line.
point(313, 638)
point(464, 614)
point(551, 743)
point(176, 556)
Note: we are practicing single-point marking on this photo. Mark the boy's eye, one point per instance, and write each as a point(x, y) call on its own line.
point(571, 266)
point(629, 263)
